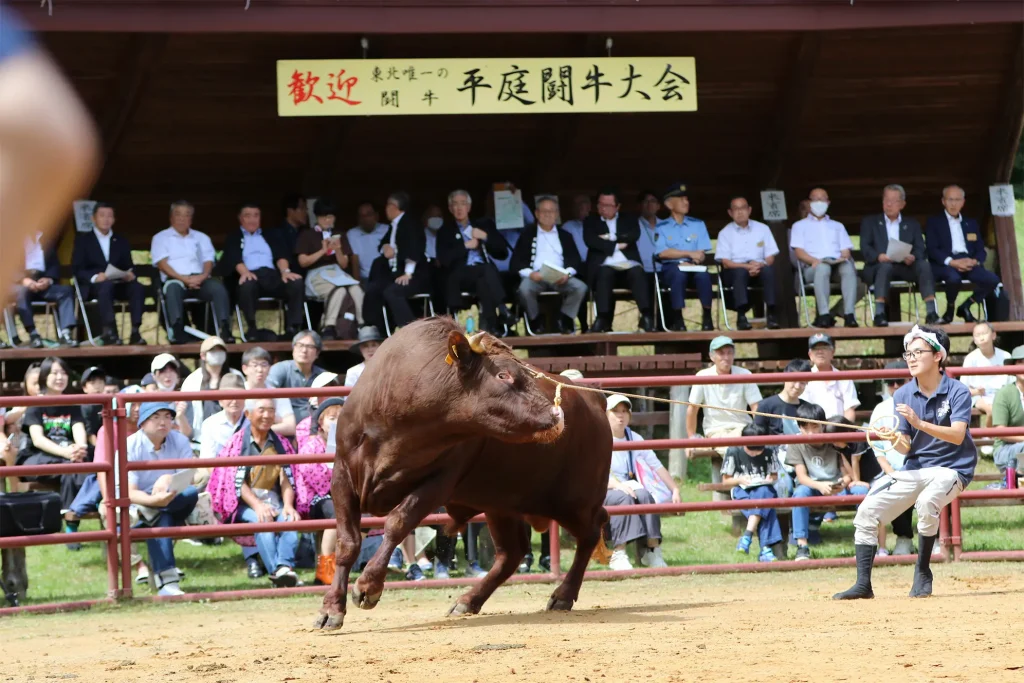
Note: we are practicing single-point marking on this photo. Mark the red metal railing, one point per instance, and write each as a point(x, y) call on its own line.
point(950, 520)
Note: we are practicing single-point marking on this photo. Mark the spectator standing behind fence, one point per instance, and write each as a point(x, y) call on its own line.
point(55, 435)
point(835, 396)
point(91, 383)
point(548, 244)
point(298, 373)
point(746, 252)
point(752, 471)
point(890, 460)
point(94, 252)
point(260, 493)
point(257, 368)
point(957, 253)
point(305, 428)
point(185, 259)
point(213, 368)
point(824, 248)
point(986, 355)
point(39, 283)
point(332, 275)
point(784, 403)
point(613, 258)
point(721, 423)
point(682, 240)
point(820, 471)
point(155, 503)
point(252, 270)
point(1008, 411)
point(637, 477)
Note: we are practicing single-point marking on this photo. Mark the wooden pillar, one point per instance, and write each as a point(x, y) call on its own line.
point(786, 309)
point(1009, 265)
point(677, 430)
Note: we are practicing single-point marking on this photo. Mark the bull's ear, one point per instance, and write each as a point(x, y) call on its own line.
point(459, 349)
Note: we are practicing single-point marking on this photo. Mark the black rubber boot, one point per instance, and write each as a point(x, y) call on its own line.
point(923, 571)
point(862, 589)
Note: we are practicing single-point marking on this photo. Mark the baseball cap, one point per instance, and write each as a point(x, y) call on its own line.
point(820, 338)
point(616, 399)
point(323, 379)
point(149, 409)
point(1017, 353)
point(93, 373)
point(677, 189)
point(147, 380)
point(212, 343)
point(162, 361)
point(571, 373)
point(332, 401)
point(720, 341)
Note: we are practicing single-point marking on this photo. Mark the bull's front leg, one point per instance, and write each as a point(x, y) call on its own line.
point(347, 515)
point(511, 539)
point(401, 521)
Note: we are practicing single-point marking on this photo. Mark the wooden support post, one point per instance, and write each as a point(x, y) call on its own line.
point(677, 430)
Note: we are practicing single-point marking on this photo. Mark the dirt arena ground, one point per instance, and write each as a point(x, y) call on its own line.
point(762, 628)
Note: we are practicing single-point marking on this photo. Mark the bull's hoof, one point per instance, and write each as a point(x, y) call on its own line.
point(329, 622)
point(557, 605)
point(462, 609)
point(364, 600)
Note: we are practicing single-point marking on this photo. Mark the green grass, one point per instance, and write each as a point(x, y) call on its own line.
point(696, 538)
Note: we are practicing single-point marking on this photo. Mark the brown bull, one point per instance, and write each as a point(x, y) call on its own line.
point(439, 419)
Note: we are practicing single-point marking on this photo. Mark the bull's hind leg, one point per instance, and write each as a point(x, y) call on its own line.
point(401, 522)
point(347, 514)
point(511, 539)
point(587, 530)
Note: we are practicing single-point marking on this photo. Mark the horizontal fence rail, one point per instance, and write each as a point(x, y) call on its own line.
point(119, 536)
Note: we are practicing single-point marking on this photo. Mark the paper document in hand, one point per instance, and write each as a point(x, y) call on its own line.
point(898, 250)
point(114, 273)
point(623, 265)
point(551, 273)
point(691, 268)
point(832, 261)
point(181, 480)
point(508, 209)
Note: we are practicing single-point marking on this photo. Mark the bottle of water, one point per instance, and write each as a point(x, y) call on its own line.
point(470, 325)
point(1011, 474)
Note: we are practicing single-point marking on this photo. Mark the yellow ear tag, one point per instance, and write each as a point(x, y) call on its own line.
point(448, 358)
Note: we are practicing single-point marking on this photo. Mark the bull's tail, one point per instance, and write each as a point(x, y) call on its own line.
point(601, 553)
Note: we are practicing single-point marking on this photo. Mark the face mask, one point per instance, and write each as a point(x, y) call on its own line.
point(819, 208)
point(435, 222)
point(216, 358)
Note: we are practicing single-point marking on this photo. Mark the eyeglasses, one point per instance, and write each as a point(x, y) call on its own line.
point(916, 353)
point(304, 345)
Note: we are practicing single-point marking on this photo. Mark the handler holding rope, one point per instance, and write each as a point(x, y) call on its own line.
point(934, 413)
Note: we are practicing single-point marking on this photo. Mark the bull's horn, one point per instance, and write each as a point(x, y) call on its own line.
point(474, 342)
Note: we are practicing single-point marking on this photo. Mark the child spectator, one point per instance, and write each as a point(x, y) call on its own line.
point(820, 471)
point(752, 471)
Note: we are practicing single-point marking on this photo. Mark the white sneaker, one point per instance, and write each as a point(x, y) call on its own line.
point(425, 564)
point(620, 561)
point(170, 589)
point(904, 546)
point(882, 552)
point(653, 558)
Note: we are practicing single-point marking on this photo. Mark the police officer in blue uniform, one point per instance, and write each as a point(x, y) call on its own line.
point(683, 240)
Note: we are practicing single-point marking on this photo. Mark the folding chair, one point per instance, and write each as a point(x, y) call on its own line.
point(84, 316)
point(894, 288)
point(428, 307)
point(660, 291)
point(526, 318)
point(188, 301)
point(261, 300)
point(12, 329)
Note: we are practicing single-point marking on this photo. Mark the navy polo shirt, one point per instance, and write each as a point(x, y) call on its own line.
point(950, 403)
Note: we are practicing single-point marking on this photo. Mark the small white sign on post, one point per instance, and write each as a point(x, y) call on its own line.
point(1002, 199)
point(83, 214)
point(773, 205)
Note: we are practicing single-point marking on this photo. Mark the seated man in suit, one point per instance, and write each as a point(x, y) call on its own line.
point(252, 270)
point(39, 283)
point(879, 270)
point(399, 271)
point(542, 244)
point(683, 240)
point(94, 251)
point(957, 253)
point(613, 257)
point(467, 248)
point(185, 259)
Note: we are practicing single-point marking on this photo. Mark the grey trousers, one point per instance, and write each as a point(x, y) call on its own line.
point(822, 275)
point(626, 528)
point(175, 293)
point(1002, 455)
point(573, 292)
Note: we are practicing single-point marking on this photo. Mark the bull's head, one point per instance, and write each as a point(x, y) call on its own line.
point(500, 397)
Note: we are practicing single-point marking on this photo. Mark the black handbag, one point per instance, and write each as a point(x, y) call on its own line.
point(30, 514)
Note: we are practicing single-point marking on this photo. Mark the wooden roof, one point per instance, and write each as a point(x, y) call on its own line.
point(194, 116)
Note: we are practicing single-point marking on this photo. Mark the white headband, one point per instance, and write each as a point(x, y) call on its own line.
point(929, 337)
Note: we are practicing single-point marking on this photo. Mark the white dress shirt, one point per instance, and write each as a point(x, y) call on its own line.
point(892, 228)
point(410, 266)
point(821, 238)
point(104, 241)
point(752, 243)
point(35, 259)
point(956, 232)
point(216, 431)
point(617, 256)
point(834, 396)
point(256, 252)
point(186, 253)
point(549, 250)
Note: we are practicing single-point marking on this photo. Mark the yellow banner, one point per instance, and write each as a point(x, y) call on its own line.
point(380, 87)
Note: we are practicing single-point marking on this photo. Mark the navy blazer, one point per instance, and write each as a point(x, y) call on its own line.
point(232, 254)
point(874, 239)
point(87, 259)
point(451, 249)
point(523, 254)
point(410, 242)
point(940, 242)
point(627, 231)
